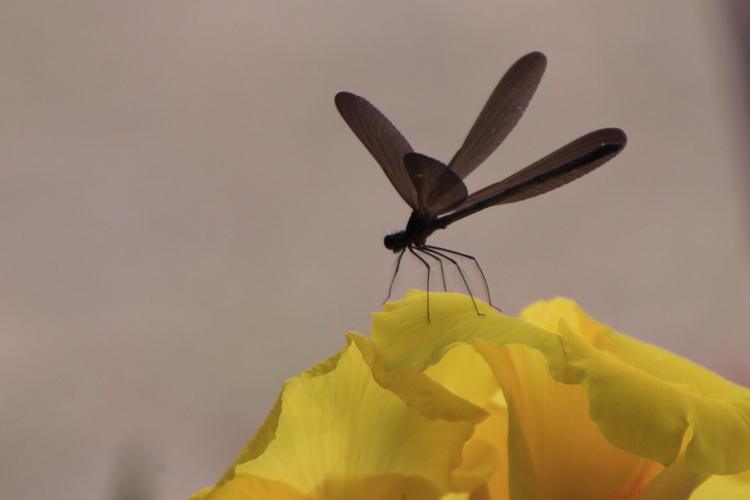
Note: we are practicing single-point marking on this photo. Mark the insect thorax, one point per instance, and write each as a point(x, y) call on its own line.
point(418, 229)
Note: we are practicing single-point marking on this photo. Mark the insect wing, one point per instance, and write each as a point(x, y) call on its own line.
point(503, 110)
point(567, 164)
point(439, 189)
point(382, 139)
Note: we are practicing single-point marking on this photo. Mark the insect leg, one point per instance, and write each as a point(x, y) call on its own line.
point(439, 261)
point(411, 249)
point(476, 263)
point(437, 251)
point(395, 273)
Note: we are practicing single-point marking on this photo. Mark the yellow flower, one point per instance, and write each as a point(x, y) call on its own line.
point(551, 405)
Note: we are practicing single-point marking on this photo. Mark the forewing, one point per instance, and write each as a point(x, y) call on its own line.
point(439, 189)
point(554, 170)
point(503, 110)
point(381, 138)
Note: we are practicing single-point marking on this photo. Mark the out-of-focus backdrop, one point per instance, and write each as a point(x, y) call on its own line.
point(186, 221)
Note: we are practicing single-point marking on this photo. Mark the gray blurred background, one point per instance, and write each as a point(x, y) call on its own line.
point(185, 220)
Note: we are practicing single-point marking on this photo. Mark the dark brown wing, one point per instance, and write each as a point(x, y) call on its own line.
point(382, 140)
point(439, 189)
point(503, 110)
point(557, 169)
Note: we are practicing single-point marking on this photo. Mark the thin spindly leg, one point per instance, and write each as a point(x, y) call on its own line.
point(436, 251)
point(428, 279)
point(439, 261)
point(395, 273)
point(476, 263)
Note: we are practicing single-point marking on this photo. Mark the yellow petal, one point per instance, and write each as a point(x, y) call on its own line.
point(463, 372)
point(494, 431)
point(644, 399)
point(653, 360)
point(339, 434)
point(735, 487)
point(676, 482)
point(555, 450)
point(249, 487)
point(418, 390)
point(405, 339)
point(562, 407)
point(481, 460)
point(649, 413)
point(381, 487)
point(200, 495)
point(444, 393)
